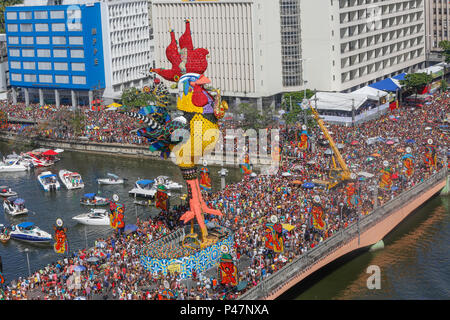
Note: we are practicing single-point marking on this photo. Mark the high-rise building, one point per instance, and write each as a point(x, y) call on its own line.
point(437, 26)
point(77, 50)
point(254, 45)
point(348, 44)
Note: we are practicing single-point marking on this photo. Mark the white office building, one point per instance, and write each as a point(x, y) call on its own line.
point(348, 44)
point(254, 45)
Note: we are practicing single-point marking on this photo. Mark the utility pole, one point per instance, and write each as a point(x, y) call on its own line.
point(353, 112)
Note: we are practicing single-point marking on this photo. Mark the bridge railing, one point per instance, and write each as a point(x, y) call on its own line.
point(305, 261)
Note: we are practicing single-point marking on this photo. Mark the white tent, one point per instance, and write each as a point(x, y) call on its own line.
point(339, 101)
point(371, 93)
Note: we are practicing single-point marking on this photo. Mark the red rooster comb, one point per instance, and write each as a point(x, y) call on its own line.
point(192, 61)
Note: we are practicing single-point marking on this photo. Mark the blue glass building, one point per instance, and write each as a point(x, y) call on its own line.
point(55, 47)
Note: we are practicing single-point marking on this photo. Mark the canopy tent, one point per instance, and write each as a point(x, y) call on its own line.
point(339, 101)
point(144, 183)
point(50, 153)
point(435, 71)
point(400, 76)
point(388, 84)
point(89, 196)
point(371, 93)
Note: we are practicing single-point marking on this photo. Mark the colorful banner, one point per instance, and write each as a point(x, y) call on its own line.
point(386, 178)
point(408, 165)
point(61, 244)
point(117, 215)
point(162, 198)
point(205, 180)
point(246, 167)
point(352, 197)
point(304, 140)
point(430, 156)
point(274, 237)
point(227, 271)
point(317, 216)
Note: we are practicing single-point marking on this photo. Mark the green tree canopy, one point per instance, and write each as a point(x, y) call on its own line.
point(3, 5)
point(445, 45)
point(136, 98)
point(416, 81)
point(253, 119)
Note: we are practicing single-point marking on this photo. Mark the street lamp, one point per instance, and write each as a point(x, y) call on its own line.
point(28, 262)
point(341, 205)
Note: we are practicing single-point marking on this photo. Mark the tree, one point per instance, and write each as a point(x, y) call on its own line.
point(3, 5)
point(445, 45)
point(296, 112)
point(444, 85)
point(416, 82)
point(294, 98)
point(77, 122)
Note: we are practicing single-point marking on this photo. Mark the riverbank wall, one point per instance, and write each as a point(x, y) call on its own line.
point(367, 231)
point(126, 150)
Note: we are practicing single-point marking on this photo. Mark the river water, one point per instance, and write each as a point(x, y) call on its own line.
point(415, 263)
point(46, 207)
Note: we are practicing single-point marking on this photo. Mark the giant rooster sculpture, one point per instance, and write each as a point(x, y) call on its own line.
point(201, 113)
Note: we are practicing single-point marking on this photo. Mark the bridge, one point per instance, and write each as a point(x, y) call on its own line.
point(23, 121)
point(364, 233)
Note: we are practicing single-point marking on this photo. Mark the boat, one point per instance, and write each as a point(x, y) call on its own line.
point(13, 165)
point(6, 191)
point(4, 234)
point(29, 232)
point(14, 206)
point(36, 159)
point(92, 199)
point(96, 217)
point(169, 184)
point(111, 179)
point(49, 181)
point(144, 188)
point(72, 180)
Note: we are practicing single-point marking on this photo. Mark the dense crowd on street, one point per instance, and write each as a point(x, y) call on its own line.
point(248, 205)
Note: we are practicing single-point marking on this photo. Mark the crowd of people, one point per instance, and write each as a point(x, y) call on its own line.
point(248, 205)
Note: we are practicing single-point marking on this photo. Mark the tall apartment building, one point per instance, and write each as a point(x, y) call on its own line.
point(63, 51)
point(349, 44)
point(254, 45)
point(437, 27)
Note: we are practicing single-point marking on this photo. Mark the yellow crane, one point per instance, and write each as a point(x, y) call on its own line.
point(339, 173)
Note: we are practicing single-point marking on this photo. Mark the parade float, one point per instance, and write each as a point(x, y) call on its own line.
point(196, 247)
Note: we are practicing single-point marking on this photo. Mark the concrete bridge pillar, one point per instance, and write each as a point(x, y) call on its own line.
point(57, 98)
point(74, 99)
point(14, 95)
point(27, 96)
point(41, 97)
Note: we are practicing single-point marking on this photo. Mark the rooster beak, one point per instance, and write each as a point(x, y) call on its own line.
point(202, 81)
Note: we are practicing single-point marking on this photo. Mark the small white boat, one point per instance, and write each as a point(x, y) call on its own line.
point(111, 179)
point(13, 165)
point(49, 181)
point(29, 232)
point(6, 191)
point(37, 159)
point(96, 217)
point(92, 199)
point(14, 206)
point(144, 188)
point(169, 184)
point(71, 180)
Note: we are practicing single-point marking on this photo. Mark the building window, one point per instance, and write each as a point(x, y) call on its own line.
point(27, 40)
point(44, 65)
point(74, 53)
point(60, 53)
point(41, 15)
point(79, 80)
point(16, 77)
point(56, 27)
point(11, 15)
point(43, 53)
point(29, 77)
point(26, 27)
point(13, 28)
point(41, 27)
point(61, 79)
point(76, 40)
point(61, 66)
point(28, 65)
point(59, 40)
point(57, 14)
point(13, 40)
point(78, 67)
point(14, 53)
point(28, 53)
point(15, 65)
point(45, 78)
point(42, 40)
point(25, 15)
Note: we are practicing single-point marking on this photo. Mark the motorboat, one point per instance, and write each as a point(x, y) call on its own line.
point(111, 179)
point(13, 165)
point(49, 181)
point(38, 159)
point(96, 217)
point(6, 191)
point(169, 184)
point(29, 232)
point(92, 199)
point(4, 234)
point(72, 180)
point(14, 206)
point(144, 188)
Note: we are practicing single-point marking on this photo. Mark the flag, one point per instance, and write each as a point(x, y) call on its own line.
point(227, 271)
point(317, 214)
point(162, 198)
point(205, 180)
point(274, 237)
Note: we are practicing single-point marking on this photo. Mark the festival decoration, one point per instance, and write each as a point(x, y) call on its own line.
point(2, 279)
point(205, 180)
point(117, 213)
point(304, 139)
point(430, 159)
point(201, 113)
point(162, 198)
point(408, 163)
point(61, 245)
point(352, 196)
point(317, 214)
point(227, 271)
point(386, 177)
point(246, 167)
point(3, 120)
point(274, 235)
